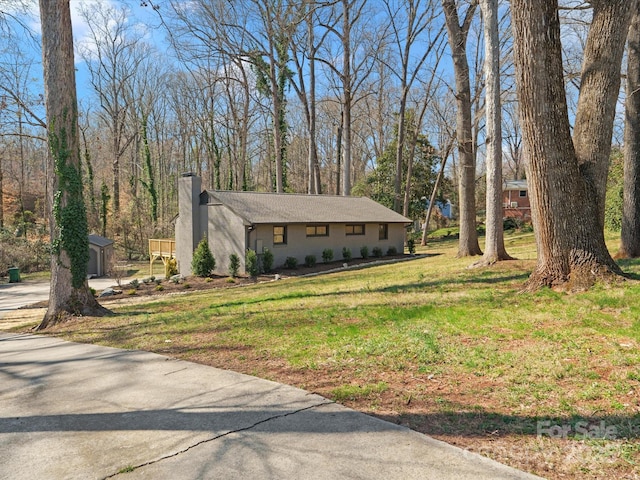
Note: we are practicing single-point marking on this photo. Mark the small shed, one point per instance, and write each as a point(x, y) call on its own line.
point(100, 255)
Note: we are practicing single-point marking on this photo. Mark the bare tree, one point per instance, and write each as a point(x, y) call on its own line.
point(630, 238)
point(112, 59)
point(347, 26)
point(409, 22)
point(69, 292)
point(304, 52)
point(494, 249)
point(458, 32)
point(564, 194)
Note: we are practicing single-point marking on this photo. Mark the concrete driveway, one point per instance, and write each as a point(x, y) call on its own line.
point(74, 411)
point(14, 296)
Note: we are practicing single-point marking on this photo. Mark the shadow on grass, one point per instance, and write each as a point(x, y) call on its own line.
point(441, 283)
point(488, 424)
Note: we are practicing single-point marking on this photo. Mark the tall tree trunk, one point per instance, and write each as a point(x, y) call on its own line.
point(599, 92)
point(630, 239)
point(315, 184)
point(494, 249)
point(346, 97)
point(1, 196)
point(432, 200)
point(115, 169)
point(69, 292)
point(569, 236)
point(457, 33)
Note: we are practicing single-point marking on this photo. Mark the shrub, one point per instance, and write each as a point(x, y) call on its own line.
point(327, 255)
point(134, 283)
point(346, 253)
point(93, 291)
point(364, 252)
point(411, 245)
point(159, 288)
point(234, 265)
point(392, 251)
point(203, 262)
point(511, 223)
point(309, 261)
point(291, 263)
point(252, 263)
point(158, 281)
point(186, 285)
point(131, 292)
point(267, 261)
point(172, 267)
point(27, 255)
point(376, 252)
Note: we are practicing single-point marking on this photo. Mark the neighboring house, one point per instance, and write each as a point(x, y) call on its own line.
point(100, 255)
point(446, 209)
point(286, 224)
point(515, 199)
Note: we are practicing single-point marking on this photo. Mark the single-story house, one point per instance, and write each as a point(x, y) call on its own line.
point(100, 255)
point(288, 225)
point(515, 199)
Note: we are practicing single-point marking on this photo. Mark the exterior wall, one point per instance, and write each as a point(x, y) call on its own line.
point(299, 245)
point(99, 259)
point(522, 210)
point(188, 232)
point(226, 233)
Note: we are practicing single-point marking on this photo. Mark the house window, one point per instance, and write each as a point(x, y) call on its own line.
point(355, 229)
point(279, 235)
point(317, 230)
point(523, 193)
point(383, 231)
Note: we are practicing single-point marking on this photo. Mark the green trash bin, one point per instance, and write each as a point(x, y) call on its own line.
point(14, 275)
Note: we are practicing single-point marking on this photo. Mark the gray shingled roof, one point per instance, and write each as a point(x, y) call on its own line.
point(257, 208)
point(99, 241)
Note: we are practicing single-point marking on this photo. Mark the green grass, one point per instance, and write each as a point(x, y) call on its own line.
point(463, 345)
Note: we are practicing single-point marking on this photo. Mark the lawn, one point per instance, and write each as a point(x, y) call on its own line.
point(546, 382)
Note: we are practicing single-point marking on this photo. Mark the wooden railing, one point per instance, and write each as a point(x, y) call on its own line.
point(163, 249)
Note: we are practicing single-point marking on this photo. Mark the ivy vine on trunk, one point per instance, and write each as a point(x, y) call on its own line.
point(70, 215)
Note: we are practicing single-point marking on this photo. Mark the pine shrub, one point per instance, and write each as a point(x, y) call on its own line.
point(234, 265)
point(203, 262)
point(267, 261)
point(252, 263)
point(310, 261)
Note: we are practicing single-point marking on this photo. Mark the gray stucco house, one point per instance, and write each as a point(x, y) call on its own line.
point(289, 225)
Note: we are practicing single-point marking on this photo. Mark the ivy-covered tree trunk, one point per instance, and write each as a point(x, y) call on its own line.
point(69, 294)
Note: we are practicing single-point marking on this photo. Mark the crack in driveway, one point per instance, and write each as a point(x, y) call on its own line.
point(244, 429)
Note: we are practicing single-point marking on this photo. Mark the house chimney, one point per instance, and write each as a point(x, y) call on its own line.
point(188, 222)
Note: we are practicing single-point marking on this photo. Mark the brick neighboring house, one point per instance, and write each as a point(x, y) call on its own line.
point(515, 200)
point(289, 225)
